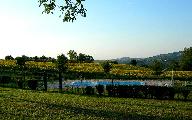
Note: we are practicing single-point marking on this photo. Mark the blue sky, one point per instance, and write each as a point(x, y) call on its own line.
point(112, 29)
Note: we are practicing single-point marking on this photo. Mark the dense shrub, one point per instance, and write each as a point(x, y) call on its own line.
point(164, 92)
point(100, 89)
point(185, 93)
point(5, 79)
point(121, 90)
point(89, 90)
point(158, 92)
point(109, 89)
point(32, 84)
point(20, 84)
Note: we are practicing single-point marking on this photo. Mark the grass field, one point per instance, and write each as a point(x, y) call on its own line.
point(26, 104)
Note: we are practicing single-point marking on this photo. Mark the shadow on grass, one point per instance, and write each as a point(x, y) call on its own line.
point(106, 96)
point(8, 86)
point(106, 114)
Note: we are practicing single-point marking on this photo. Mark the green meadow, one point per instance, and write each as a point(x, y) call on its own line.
point(28, 105)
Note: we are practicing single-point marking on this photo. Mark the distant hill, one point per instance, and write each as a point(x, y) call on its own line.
point(164, 58)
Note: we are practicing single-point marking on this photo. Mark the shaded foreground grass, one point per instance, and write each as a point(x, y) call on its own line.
point(26, 104)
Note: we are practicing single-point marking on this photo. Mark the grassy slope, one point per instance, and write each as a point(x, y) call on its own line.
point(25, 104)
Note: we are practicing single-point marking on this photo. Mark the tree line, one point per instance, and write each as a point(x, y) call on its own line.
point(73, 57)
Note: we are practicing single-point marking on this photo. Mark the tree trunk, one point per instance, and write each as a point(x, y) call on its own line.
point(45, 81)
point(60, 82)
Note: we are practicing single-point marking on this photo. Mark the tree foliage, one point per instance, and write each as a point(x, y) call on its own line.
point(106, 66)
point(20, 61)
point(186, 59)
point(85, 58)
point(36, 58)
point(62, 63)
point(157, 67)
point(133, 62)
point(69, 8)
point(9, 57)
point(174, 65)
point(82, 58)
point(62, 67)
point(72, 55)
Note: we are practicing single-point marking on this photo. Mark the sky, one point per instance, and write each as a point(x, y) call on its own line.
point(112, 29)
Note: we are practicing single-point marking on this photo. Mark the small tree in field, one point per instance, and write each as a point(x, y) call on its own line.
point(72, 55)
point(9, 57)
point(20, 61)
point(62, 68)
point(157, 67)
point(106, 67)
point(133, 62)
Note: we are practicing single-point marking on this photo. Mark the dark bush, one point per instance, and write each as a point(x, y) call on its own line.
point(100, 89)
point(109, 89)
point(123, 91)
point(89, 90)
point(129, 91)
point(185, 93)
point(20, 84)
point(32, 84)
point(138, 91)
point(5, 79)
point(158, 92)
point(145, 90)
point(172, 93)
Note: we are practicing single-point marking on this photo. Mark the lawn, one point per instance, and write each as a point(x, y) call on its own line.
point(27, 104)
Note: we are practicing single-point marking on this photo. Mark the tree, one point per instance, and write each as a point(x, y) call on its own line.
point(133, 62)
point(85, 58)
point(62, 68)
point(114, 62)
point(106, 67)
point(43, 58)
point(36, 58)
point(72, 55)
point(20, 61)
point(88, 59)
point(70, 8)
point(174, 65)
point(186, 59)
point(157, 67)
point(81, 57)
point(9, 57)
point(26, 58)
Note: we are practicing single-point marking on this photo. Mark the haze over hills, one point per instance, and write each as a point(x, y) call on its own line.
point(164, 58)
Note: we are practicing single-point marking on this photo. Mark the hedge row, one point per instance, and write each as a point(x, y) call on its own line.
point(155, 92)
point(31, 84)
